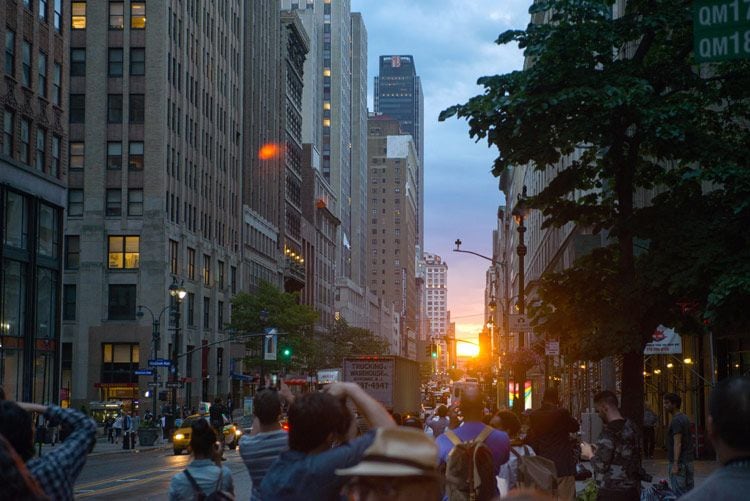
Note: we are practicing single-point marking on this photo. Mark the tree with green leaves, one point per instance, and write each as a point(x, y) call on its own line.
point(271, 307)
point(343, 340)
point(612, 102)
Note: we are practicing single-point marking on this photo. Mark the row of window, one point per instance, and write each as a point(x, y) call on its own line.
point(23, 150)
point(115, 62)
point(27, 65)
point(113, 202)
point(114, 155)
point(116, 15)
point(136, 108)
point(43, 11)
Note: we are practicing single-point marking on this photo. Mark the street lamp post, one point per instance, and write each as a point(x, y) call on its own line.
point(178, 293)
point(155, 339)
point(519, 214)
point(263, 319)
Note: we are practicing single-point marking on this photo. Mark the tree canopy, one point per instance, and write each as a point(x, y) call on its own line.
point(611, 103)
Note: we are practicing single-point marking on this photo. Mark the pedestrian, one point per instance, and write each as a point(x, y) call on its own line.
point(320, 442)
point(230, 406)
point(117, 426)
point(679, 446)
point(728, 428)
point(205, 475)
point(400, 465)
point(127, 431)
point(163, 425)
point(439, 423)
point(549, 432)
point(649, 431)
point(15, 480)
point(108, 430)
point(57, 470)
point(616, 457)
point(267, 439)
point(216, 415)
point(473, 429)
point(510, 424)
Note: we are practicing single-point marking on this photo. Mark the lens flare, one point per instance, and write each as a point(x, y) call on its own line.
point(269, 151)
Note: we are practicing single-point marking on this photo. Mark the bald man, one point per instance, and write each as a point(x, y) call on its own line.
point(472, 408)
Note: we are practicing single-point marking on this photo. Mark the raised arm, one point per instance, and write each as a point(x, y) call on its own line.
point(375, 413)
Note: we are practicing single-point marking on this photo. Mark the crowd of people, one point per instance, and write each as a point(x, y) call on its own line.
point(343, 444)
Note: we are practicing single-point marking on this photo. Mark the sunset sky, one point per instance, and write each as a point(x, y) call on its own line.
point(452, 42)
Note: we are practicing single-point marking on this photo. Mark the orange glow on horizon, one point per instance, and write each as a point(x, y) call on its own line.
point(269, 151)
point(467, 348)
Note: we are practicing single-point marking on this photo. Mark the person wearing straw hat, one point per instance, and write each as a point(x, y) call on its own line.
point(401, 464)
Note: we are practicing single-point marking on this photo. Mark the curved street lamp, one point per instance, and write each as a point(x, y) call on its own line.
point(178, 293)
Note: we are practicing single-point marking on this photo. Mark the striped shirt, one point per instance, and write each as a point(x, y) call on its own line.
point(259, 452)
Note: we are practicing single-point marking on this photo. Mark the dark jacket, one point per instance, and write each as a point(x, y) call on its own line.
point(549, 436)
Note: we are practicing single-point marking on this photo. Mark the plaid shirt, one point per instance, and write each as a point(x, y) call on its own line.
point(58, 470)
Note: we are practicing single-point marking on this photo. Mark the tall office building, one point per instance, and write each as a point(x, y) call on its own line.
point(398, 94)
point(155, 192)
point(334, 113)
point(33, 174)
point(436, 293)
point(392, 169)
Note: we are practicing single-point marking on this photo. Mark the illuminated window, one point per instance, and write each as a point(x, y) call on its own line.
point(135, 155)
point(77, 155)
point(326, 122)
point(326, 105)
point(124, 252)
point(327, 72)
point(138, 15)
point(116, 16)
point(78, 15)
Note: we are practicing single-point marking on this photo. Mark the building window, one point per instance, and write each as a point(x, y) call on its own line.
point(220, 315)
point(233, 279)
point(41, 64)
point(75, 203)
point(78, 62)
point(26, 63)
point(25, 141)
point(114, 108)
point(118, 363)
point(206, 270)
point(16, 220)
point(116, 16)
point(220, 272)
point(43, 10)
point(55, 166)
point(69, 302)
point(77, 155)
point(138, 15)
point(114, 203)
point(56, 84)
point(77, 109)
point(190, 309)
point(9, 127)
point(114, 68)
point(174, 249)
point(137, 108)
point(124, 252)
point(206, 312)
point(137, 61)
point(78, 15)
point(135, 202)
point(114, 155)
point(41, 149)
point(57, 18)
point(122, 299)
point(191, 263)
point(72, 252)
point(135, 155)
point(10, 53)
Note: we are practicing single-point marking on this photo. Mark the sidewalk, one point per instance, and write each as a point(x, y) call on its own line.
point(103, 446)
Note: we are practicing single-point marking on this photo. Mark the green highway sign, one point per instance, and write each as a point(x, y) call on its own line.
point(721, 30)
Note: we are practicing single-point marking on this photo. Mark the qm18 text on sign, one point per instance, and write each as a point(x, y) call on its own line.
point(721, 30)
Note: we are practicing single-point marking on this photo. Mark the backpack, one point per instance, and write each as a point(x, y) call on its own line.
point(216, 415)
point(536, 472)
point(216, 495)
point(470, 470)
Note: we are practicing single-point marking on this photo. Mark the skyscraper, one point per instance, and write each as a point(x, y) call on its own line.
point(436, 291)
point(155, 188)
point(398, 95)
point(33, 175)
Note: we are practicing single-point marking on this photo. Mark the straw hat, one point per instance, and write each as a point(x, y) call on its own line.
point(397, 452)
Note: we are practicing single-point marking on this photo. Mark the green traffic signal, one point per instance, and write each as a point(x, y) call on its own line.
point(434, 354)
point(287, 352)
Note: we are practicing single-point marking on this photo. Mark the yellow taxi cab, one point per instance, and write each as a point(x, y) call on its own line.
point(181, 436)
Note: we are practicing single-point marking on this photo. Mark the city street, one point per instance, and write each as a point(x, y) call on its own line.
point(143, 474)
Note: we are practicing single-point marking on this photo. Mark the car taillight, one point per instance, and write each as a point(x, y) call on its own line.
point(285, 426)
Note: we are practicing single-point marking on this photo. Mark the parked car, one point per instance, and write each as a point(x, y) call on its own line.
point(181, 436)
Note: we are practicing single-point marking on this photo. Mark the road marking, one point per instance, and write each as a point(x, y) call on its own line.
point(120, 486)
point(133, 474)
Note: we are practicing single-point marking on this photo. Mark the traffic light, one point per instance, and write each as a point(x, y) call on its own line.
point(434, 350)
point(286, 352)
point(428, 350)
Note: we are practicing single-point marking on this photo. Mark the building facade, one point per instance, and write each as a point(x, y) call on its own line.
point(392, 225)
point(155, 195)
point(33, 175)
point(436, 295)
